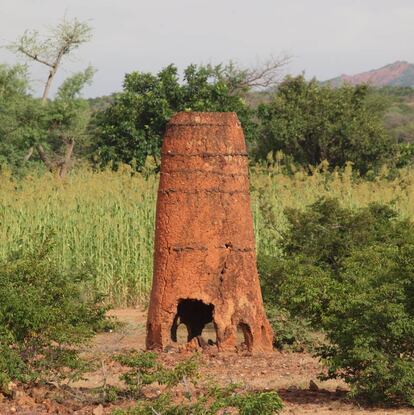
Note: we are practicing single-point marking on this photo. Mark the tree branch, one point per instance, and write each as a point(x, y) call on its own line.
point(34, 56)
point(29, 154)
point(43, 156)
point(264, 76)
point(67, 160)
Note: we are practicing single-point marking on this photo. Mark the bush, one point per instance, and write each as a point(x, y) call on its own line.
point(350, 272)
point(370, 324)
point(292, 332)
point(44, 317)
point(145, 369)
point(213, 402)
point(312, 123)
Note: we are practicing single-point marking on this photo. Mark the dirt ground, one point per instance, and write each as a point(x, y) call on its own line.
point(293, 375)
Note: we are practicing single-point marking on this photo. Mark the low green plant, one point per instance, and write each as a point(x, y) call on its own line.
point(44, 317)
point(257, 403)
point(292, 332)
point(350, 273)
point(247, 403)
point(146, 369)
point(208, 400)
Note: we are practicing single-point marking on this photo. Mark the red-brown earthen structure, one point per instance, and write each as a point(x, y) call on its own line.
point(205, 261)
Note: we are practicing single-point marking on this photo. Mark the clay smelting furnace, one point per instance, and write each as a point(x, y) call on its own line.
point(205, 261)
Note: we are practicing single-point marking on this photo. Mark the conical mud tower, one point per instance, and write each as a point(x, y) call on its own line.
point(205, 261)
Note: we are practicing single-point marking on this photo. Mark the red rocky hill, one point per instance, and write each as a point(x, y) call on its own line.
point(399, 73)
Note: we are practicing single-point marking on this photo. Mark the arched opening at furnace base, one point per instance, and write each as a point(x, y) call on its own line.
point(194, 315)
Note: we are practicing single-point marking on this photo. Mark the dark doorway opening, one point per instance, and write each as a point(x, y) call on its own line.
point(194, 314)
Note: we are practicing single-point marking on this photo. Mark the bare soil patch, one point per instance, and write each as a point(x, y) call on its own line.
point(293, 375)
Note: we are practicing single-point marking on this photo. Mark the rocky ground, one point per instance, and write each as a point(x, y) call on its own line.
point(293, 375)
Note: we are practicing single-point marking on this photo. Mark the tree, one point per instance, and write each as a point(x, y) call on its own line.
point(17, 111)
point(131, 129)
point(312, 122)
point(66, 119)
point(50, 51)
point(350, 273)
point(67, 36)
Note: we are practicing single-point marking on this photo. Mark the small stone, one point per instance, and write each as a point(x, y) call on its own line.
point(313, 386)
point(22, 399)
point(340, 390)
point(98, 410)
point(17, 394)
point(38, 394)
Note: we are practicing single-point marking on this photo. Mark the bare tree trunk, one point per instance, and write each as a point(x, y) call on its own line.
point(52, 73)
point(63, 165)
point(46, 90)
point(43, 156)
point(42, 153)
point(29, 154)
point(45, 96)
point(67, 161)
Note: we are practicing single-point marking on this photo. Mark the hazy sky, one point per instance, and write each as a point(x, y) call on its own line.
point(325, 37)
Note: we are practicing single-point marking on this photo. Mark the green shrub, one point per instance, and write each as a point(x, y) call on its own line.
point(44, 317)
point(370, 324)
point(208, 400)
point(350, 272)
point(292, 332)
point(146, 369)
point(212, 402)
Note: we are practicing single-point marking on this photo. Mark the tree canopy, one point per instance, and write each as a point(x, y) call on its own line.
point(17, 113)
point(51, 125)
point(131, 129)
point(312, 122)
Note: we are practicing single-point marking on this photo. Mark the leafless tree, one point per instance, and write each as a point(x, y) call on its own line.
point(52, 48)
point(265, 75)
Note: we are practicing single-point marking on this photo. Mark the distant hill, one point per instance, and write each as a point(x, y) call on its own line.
point(399, 73)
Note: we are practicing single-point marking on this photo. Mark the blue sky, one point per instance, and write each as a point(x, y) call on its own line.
point(324, 37)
